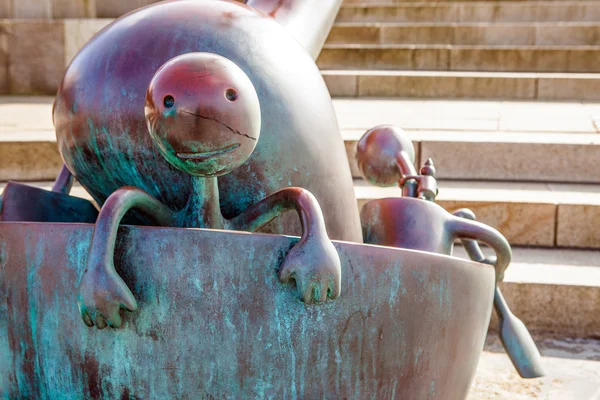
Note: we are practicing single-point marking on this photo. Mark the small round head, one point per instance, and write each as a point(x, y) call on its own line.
point(203, 114)
point(384, 154)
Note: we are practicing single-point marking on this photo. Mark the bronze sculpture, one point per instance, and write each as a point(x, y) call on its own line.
point(238, 127)
point(205, 130)
point(103, 135)
point(103, 138)
point(386, 157)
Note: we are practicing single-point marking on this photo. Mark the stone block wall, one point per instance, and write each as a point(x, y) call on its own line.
point(57, 9)
point(35, 53)
point(49, 9)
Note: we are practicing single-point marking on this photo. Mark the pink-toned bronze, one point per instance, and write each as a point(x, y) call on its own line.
point(386, 157)
point(414, 221)
point(203, 115)
point(417, 224)
point(101, 127)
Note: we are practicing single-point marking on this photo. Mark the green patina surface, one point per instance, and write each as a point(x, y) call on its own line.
point(214, 321)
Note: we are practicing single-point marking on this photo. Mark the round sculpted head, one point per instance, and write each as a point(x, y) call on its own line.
point(384, 154)
point(203, 114)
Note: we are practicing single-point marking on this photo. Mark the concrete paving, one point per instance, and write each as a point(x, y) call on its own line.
point(470, 115)
point(573, 367)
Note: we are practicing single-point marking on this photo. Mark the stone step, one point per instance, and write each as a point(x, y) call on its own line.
point(488, 11)
point(55, 43)
point(553, 290)
point(461, 58)
point(49, 9)
point(494, 156)
point(510, 157)
point(568, 280)
point(463, 85)
point(481, 34)
point(469, 140)
point(528, 214)
point(59, 9)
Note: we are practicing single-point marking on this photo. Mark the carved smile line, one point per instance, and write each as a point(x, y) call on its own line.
point(208, 154)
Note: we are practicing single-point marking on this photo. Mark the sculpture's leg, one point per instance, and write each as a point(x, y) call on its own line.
point(313, 262)
point(102, 292)
point(64, 181)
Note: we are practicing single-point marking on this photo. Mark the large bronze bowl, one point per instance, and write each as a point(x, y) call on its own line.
point(214, 322)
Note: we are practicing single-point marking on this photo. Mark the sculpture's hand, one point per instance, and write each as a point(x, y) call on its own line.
point(313, 262)
point(315, 266)
point(102, 294)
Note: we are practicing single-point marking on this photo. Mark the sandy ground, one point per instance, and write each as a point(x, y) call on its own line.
point(573, 367)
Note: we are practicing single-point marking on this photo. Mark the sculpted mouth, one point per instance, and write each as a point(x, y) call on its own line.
point(208, 154)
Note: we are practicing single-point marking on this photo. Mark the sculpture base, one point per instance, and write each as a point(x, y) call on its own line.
point(214, 321)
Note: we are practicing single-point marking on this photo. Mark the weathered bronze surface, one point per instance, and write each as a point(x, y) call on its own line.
point(215, 322)
point(417, 224)
point(235, 101)
point(203, 115)
point(385, 157)
point(22, 202)
point(101, 127)
point(211, 114)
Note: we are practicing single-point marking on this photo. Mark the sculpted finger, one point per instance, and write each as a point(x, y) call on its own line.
point(286, 274)
point(114, 320)
point(334, 288)
point(126, 298)
point(129, 302)
point(100, 321)
point(322, 292)
point(87, 319)
point(304, 290)
point(310, 293)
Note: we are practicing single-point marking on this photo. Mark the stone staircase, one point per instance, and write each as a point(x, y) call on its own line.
point(503, 95)
point(523, 165)
point(545, 50)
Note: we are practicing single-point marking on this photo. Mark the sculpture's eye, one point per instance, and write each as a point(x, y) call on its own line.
point(231, 94)
point(169, 101)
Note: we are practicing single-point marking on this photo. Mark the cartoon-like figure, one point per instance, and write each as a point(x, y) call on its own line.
point(203, 114)
point(386, 156)
point(194, 158)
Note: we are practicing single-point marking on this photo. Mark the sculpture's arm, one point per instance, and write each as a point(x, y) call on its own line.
point(64, 181)
point(102, 292)
point(313, 262)
point(308, 21)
